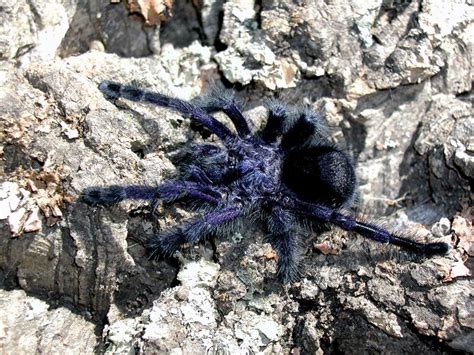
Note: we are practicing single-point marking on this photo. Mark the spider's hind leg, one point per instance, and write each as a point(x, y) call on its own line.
point(368, 230)
point(378, 234)
point(283, 240)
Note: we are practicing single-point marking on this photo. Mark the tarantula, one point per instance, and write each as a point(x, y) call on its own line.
point(277, 174)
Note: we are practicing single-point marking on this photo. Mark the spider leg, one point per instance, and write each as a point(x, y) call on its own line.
point(117, 90)
point(212, 160)
point(197, 174)
point(284, 242)
point(368, 230)
point(222, 102)
point(191, 231)
point(306, 126)
point(277, 120)
point(167, 191)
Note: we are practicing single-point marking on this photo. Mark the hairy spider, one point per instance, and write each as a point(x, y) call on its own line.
point(278, 175)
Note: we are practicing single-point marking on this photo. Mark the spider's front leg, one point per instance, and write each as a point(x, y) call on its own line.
point(276, 123)
point(283, 240)
point(192, 231)
point(294, 132)
point(115, 90)
point(308, 125)
point(219, 100)
point(167, 191)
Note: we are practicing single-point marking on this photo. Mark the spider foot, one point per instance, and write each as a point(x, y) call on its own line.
point(435, 249)
point(287, 270)
point(164, 245)
point(103, 195)
point(110, 89)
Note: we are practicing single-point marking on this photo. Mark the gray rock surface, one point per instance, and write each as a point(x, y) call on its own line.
point(30, 325)
point(394, 80)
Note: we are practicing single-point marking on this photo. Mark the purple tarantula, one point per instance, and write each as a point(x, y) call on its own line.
point(277, 173)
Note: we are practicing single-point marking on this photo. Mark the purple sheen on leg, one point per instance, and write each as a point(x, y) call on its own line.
point(117, 90)
point(198, 175)
point(191, 232)
point(221, 216)
point(211, 123)
point(165, 244)
point(140, 192)
point(238, 120)
point(368, 230)
point(175, 190)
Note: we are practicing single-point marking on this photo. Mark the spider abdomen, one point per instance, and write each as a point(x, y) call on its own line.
point(320, 174)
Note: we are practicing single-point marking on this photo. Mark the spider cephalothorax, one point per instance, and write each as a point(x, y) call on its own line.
point(278, 173)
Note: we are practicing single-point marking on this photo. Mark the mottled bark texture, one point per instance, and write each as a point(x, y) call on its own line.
point(394, 79)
